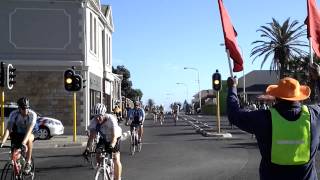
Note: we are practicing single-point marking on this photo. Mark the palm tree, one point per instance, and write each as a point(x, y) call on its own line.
point(282, 41)
point(150, 103)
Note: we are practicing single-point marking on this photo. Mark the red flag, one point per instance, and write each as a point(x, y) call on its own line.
point(313, 25)
point(230, 38)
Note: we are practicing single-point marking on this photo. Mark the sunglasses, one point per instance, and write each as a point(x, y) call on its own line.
point(23, 108)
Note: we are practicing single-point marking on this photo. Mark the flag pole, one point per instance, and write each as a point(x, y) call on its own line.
point(229, 60)
point(311, 52)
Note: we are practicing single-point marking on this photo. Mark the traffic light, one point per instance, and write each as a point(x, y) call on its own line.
point(216, 81)
point(10, 76)
point(72, 81)
point(2, 76)
point(77, 82)
point(68, 79)
point(84, 83)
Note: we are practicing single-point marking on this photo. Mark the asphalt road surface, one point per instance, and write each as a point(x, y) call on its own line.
point(169, 153)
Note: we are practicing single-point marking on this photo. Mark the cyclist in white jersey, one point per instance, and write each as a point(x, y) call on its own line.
point(21, 128)
point(110, 135)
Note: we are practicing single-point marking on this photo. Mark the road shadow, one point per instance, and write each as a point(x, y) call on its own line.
point(215, 139)
point(55, 168)
point(57, 156)
point(165, 125)
point(178, 134)
point(246, 145)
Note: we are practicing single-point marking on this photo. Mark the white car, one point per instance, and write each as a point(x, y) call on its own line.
point(48, 127)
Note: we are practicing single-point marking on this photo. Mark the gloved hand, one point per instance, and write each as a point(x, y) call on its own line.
point(232, 82)
point(111, 148)
point(85, 154)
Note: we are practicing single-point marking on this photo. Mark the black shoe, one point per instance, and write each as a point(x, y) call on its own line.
point(85, 155)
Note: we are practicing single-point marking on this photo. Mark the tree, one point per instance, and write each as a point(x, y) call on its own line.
point(150, 103)
point(126, 84)
point(282, 41)
point(135, 94)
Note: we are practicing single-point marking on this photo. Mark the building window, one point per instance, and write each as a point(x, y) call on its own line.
point(109, 49)
point(95, 97)
point(95, 35)
point(103, 47)
point(91, 33)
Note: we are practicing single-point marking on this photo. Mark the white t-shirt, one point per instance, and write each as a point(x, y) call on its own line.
point(109, 126)
point(21, 122)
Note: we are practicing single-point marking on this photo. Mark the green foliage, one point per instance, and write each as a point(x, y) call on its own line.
point(281, 42)
point(126, 84)
point(211, 109)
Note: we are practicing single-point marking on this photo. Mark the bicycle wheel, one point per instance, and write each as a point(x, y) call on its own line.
point(7, 172)
point(100, 174)
point(132, 143)
point(110, 170)
point(139, 146)
point(93, 156)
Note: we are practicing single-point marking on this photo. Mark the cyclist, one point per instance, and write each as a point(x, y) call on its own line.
point(21, 128)
point(175, 110)
point(137, 117)
point(110, 134)
point(154, 112)
point(161, 112)
point(117, 112)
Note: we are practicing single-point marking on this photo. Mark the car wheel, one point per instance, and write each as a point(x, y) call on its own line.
point(43, 133)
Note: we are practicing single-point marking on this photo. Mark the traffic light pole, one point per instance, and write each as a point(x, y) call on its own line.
point(2, 111)
point(218, 111)
point(74, 117)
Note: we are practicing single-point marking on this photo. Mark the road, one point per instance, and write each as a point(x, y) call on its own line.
point(169, 153)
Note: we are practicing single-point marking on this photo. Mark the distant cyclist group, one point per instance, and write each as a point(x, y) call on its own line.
point(159, 113)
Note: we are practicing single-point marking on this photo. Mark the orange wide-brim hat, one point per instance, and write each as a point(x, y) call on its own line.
point(289, 89)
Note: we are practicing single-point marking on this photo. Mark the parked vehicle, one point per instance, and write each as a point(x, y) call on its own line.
point(48, 127)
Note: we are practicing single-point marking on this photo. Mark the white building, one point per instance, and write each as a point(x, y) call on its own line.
point(45, 37)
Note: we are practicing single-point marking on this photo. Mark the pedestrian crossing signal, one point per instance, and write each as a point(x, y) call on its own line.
point(216, 81)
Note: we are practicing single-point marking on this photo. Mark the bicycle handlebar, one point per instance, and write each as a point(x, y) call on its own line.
point(4, 146)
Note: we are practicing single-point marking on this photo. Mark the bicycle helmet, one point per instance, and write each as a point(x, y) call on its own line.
point(99, 109)
point(23, 102)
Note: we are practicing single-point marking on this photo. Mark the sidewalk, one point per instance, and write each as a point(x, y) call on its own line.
point(66, 140)
point(209, 129)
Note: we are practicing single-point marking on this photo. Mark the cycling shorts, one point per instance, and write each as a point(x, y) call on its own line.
point(16, 139)
point(105, 145)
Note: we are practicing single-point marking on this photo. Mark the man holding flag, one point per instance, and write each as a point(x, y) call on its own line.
point(288, 134)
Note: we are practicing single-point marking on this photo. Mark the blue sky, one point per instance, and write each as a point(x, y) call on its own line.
point(156, 39)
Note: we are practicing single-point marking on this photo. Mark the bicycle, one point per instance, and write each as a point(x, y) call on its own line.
point(13, 169)
point(135, 145)
point(175, 117)
point(92, 155)
point(161, 116)
point(105, 170)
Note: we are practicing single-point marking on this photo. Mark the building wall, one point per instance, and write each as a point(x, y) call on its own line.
point(41, 30)
point(47, 95)
point(42, 39)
